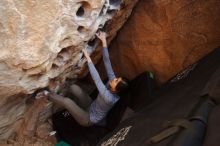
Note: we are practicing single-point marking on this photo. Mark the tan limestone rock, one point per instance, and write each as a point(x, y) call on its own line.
point(40, 45)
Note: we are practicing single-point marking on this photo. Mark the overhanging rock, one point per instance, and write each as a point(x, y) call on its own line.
point(41, 43)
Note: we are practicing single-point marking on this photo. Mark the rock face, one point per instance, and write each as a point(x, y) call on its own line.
point(35, 36)
point(166, 36)
point(41, 43)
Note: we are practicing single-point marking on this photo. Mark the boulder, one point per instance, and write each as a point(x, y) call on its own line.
point(165, 37)
point(41, 43)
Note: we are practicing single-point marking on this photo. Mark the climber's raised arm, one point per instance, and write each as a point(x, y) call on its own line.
point(108, 67)
point(95, 75)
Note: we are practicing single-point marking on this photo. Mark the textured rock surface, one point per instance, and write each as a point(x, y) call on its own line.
point(34, 35)
point(165, 36)
point(40, 44)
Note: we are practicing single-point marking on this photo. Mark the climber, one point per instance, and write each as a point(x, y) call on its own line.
point(87, 112)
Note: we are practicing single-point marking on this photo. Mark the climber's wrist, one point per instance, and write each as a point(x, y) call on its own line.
point(104, 43)
point(89, 59)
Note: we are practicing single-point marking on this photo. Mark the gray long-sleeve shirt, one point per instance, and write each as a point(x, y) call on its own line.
point(105, 100)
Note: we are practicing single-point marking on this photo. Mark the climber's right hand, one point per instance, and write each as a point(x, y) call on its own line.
point(102, 36)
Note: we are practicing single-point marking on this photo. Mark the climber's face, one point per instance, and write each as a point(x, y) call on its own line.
point(113, 83)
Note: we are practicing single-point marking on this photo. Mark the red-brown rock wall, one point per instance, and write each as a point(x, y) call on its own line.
point(166, 36)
